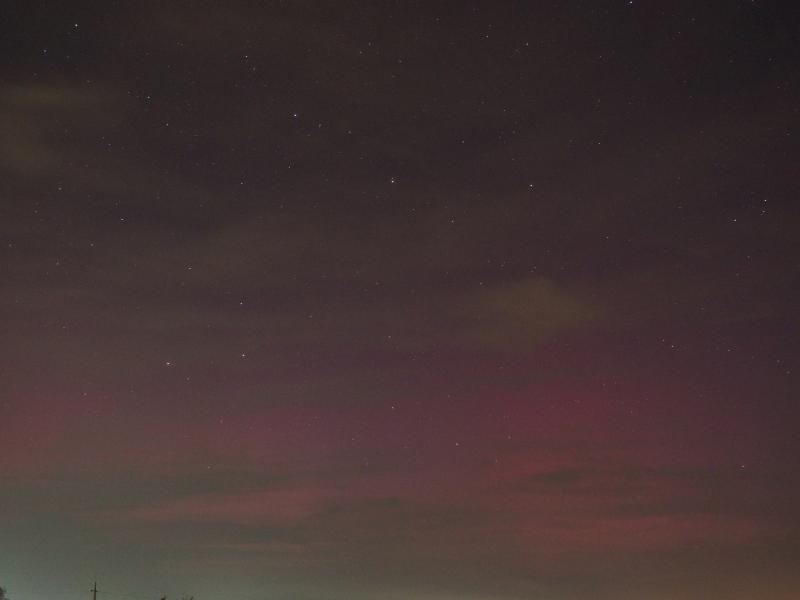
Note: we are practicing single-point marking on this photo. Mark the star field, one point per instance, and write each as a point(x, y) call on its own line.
point(393, 300)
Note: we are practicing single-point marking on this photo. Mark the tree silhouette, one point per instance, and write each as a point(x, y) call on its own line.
point(3, 595)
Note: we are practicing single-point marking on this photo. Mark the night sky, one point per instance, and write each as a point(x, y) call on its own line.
point(400, 300)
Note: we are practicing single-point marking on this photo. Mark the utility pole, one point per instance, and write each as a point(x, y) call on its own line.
point(94, 591)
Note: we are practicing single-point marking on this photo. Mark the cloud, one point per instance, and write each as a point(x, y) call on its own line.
point(560, 477)
point(584, 507)
point(271, 505)
point(38, 119)
point(523, 313)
